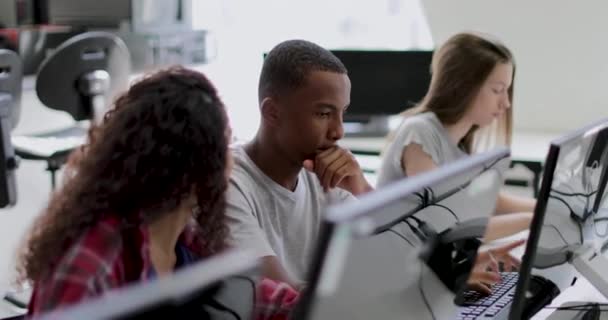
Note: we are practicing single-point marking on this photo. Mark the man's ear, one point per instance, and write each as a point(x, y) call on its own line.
point(271, 111)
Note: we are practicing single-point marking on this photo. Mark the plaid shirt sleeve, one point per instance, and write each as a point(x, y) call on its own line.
point(59, 292)
point(85, 271)
point(275, 300)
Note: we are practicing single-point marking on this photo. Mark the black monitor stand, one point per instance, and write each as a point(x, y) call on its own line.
point(9, 163)
point(84, 73)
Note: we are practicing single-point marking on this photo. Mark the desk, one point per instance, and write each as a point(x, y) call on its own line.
point(582, 290)
point(9, 311)
point(529, 149)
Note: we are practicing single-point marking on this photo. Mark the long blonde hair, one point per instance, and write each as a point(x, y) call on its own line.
point(459, 68)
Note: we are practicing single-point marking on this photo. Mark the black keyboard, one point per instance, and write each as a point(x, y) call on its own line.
point(479, 306)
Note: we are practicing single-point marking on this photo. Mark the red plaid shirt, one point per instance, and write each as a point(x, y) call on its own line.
point(105, 257)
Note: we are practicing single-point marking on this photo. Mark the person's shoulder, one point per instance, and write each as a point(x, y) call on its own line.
point(96, 250)
point(86, 268)
point(242, 171)
point(239, 156)
point(420, 120)
point(422, 125)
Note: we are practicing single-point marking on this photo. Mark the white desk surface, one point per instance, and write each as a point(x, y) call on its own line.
point(7, 310)
point(527, 145)
point(582, 290)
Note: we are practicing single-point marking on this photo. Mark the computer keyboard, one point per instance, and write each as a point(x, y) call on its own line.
point(479, 306)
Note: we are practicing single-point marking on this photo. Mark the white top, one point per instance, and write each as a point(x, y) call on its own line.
point(273, 220)
point(426, 130)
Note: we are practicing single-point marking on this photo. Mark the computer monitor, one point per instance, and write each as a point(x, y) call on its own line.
point(367, 263)
point(220, 287)
point(598, 157)
point(384, 83)
point(600, 208)
point(562, 227)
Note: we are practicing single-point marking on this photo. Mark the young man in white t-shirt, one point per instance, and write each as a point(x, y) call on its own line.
point(284, 178)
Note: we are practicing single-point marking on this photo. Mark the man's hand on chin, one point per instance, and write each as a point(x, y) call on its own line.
point(337, 167)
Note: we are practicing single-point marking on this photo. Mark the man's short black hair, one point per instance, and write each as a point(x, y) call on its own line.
point(287, 65)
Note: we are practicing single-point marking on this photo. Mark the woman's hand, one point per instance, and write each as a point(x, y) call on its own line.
point(486, 271)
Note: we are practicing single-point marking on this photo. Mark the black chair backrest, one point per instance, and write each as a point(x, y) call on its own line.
point(84, 69)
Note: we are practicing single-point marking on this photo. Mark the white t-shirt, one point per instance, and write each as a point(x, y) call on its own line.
point(426, 130)
point(273, 220)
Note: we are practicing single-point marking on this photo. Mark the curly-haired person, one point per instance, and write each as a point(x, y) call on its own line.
point(147, 196)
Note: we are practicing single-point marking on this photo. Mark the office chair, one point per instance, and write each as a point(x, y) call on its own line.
point(80, 77)
point(11, 71)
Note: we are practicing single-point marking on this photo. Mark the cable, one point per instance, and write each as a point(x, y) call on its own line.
point(446, 208)
point(413, 217)
point(587, 211)
point(559, 233)
point(578, 223)
point(587, 197)
point(401, 236)
point(575, 194)
point(564, 202)
point(423, 203)
point(220, 306)
point(422, 196)
point(423, 231)
point(415, 230)
point(9, 298)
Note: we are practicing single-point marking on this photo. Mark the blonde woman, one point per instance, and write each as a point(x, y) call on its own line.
point(467, 109)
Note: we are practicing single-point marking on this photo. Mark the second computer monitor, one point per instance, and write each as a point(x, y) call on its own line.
point(220, 287)
point(385, 82)
point(566, 217)
point(368, 262)
point(599, 157)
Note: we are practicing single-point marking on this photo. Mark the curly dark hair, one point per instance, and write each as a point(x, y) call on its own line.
point(288, 63)
point(165, 138)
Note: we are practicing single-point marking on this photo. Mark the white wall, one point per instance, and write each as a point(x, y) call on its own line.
point(246, 29)
point(560, 47)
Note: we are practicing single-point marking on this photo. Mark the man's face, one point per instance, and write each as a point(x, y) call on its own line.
point(311, 116)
